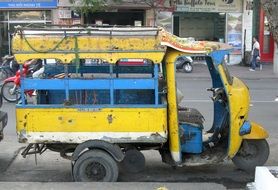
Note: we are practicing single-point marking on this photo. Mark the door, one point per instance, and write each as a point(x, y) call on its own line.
point(266, 39)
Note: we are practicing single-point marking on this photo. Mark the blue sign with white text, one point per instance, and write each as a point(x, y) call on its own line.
point(30, 4)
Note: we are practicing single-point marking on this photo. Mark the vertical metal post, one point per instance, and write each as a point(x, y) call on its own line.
point(22, 86)
point(111, 84)
point(156, 83)
point(173, 124)
point(66, 80)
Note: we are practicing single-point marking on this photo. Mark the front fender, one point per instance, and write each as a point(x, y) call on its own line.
point(257, 132)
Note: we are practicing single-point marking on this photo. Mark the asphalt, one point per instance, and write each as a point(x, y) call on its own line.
point(114, 186)
point(201, 71)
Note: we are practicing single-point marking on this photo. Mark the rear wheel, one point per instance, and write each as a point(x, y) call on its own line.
point(95, 165)
point(187, 67)
point(251, 154)
point(10, 91)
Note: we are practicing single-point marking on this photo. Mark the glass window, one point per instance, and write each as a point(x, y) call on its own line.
point(48, 16)
point(3, 16)
point(4, 43)
point(27, 15)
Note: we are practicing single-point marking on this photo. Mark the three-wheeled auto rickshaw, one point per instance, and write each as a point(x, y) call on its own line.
point(103, 114)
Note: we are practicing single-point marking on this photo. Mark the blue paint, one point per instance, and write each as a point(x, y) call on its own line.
point(28, 4)
point(79, 84)
point(111, 85)
point(134, 83)
point(218, 56)
point(156, 84)
point(216, 83)
point(22, 87)
point(191, 139)
point(97, 91)
point(62, 106)
point(51, 70)
point(245, 128)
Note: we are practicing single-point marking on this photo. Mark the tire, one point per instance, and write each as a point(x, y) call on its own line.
point(6, 92)
point(95, 165)
point(251, 154)
point(187, 67)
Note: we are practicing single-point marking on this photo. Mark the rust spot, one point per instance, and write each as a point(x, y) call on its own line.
point(110, 118)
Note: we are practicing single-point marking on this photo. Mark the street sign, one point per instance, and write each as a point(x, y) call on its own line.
point(30, 4)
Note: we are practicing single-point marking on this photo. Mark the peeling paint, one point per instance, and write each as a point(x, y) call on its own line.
point(80, 137)
point(110, 118)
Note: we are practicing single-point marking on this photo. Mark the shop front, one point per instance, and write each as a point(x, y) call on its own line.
point(22, 13)
point(127, 17)
point(213, 20)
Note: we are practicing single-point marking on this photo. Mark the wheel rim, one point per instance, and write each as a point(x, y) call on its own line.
point(95, 171)
point(187, 67)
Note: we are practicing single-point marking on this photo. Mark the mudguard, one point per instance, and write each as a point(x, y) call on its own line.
point(257, 132)
point(10, 79)
point(113, 149)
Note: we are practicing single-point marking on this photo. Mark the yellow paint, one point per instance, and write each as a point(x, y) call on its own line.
point(239, 100)
point(257, 132)
point(107, 48)
point(174, 137)
point(102, 120)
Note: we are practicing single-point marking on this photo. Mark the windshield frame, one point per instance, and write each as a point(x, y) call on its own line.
point(229, 77)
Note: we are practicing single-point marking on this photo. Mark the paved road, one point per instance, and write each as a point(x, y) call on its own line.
point(52, 168)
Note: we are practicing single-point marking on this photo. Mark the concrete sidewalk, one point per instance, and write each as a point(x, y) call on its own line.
point(201, 71)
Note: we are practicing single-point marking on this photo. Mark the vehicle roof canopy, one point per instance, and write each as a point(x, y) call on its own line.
point(110, 44)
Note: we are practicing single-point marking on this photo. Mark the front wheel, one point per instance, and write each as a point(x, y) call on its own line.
point(10, 91)
point(187, 67)
point(252, 153)
point(95, 165)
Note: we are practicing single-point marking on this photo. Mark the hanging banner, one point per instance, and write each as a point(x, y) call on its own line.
point(234, 31)
point(27, 4)
point(209, 6)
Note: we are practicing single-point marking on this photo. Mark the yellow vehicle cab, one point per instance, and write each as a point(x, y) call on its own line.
point(117, 97)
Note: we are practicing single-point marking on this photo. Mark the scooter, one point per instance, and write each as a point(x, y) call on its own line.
point(185, 63)
point(11, 86)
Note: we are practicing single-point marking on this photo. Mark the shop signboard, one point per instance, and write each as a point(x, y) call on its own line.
point(64, 13)
point(228, 6)
point(27, 4)
point(234, 31)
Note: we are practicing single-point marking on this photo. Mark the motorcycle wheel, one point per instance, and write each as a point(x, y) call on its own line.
point(187, 67)
point(7, 94)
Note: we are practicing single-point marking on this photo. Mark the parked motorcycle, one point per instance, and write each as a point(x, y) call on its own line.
point(184, 63)
point(11, 87)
